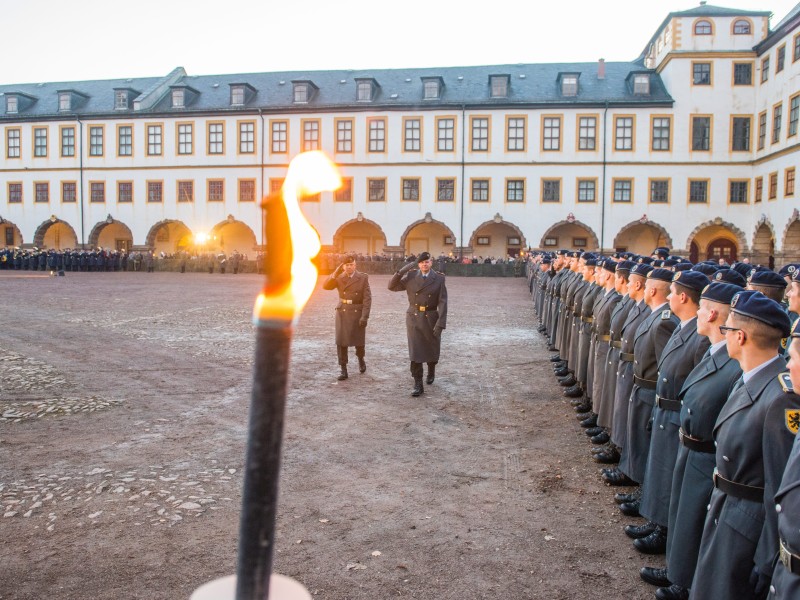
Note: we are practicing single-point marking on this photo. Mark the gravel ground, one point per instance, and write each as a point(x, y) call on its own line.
point(123, 415)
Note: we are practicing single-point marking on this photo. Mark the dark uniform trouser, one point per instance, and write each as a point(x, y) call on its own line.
point(416, 369)
point(341, 352)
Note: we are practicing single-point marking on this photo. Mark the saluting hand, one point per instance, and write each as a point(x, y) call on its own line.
point(406, 268)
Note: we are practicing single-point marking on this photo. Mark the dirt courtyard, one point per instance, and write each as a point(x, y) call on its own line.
point(123, 405)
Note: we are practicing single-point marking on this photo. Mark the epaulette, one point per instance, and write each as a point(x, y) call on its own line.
point(666, 314)
point(786, 383)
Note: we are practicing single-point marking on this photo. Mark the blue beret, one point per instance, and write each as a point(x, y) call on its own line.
point(684, 266)
point(645, 260)
point(562, 252)
point(547, 261)
point(675, 257)
point(720, 292)
point(641, 269)
point(350, 258)
point(592, 262)
point(796, 275)
point(616, 255)
point(706, 269)
point(788, 270)
point(742, 268)
point(661, 274)
point(589, 256)
point(756, 305)
point(670, 262)
point(661, 251)
point(423, 256)
point(694, 280)
point(609, 265)
point(625, 265)
point(730, 276)
point(767, 279)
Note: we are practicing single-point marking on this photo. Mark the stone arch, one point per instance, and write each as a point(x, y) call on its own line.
point(644, 246)
point(791, 240)
point(763, 248)
point(741, 238)
point(593, 242)
point(151, 241)
point(339, 239)
point(243, 240)
point(514, 228)
point(15, 237)
point(497, 231)
point(58, 225)
point(427, 220)
point(123, 234)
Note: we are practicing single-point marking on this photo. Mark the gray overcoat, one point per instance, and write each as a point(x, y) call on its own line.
point(427, 308)
point(355, 303)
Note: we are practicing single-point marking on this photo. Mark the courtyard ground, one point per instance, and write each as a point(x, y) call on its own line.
point(123, 415)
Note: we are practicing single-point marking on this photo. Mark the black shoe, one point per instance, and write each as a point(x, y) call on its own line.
point(418, 389)
point(552, 348)
point(541, 329)
point(562, 372)
point(576, 392)
point(640, 531)
point(582, 408)
point(608, 457)
point(622, 497)
point(593, 431)
point(599, 449)
point(561, 364)
point(617, 477)
point(673, 592)
point(362, 366)
point(343, 375)
point(655, 543)
point(601, 438)
point(555, 358)
point(630, 508)
point(568, 381)
point(653, 576)
point(431, 374)
point(590, 421)
point(584, 415)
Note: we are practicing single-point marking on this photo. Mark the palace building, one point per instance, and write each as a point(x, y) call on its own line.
point(693, 145)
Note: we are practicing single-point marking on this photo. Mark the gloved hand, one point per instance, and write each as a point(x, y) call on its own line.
point(760, 583)
point(437, 330)
point(338, 270)
point(362, 322)
point(649, 425)
point(406, 268)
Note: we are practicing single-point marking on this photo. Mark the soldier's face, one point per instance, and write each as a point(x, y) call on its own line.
point(350, 268)
point(794, 364)
point(793, 296)
point(425, 265)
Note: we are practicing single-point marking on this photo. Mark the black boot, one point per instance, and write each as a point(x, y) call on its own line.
point(343, 375)
point(362, 366)
point(431, 374)
point(418, 389)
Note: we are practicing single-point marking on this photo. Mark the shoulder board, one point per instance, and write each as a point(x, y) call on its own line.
point(786, 382)
point(439, 273)
point(666, 314)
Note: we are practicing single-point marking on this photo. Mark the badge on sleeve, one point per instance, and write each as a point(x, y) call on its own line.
point(666, 314)
point(793, 420)
point(786, 382)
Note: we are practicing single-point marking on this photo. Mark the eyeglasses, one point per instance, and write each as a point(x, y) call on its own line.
point(723, 329)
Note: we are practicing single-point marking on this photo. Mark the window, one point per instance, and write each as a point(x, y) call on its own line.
point(412, 135)
point(64, 101)
point(587, 190)
point(698, 191)
point(185, 138)
point(275, 184)
point(247, 137)
point(484, 240)
point(777, 118)
point(97, 191)
point(12, 104)
point(661, 133)
point(448, 240)
point(121, 100)
point(623, 190)
point(738, 191)
point(377, 135)
point(703, 28)
point(551, 133)
point(41, 191)
point(13, 143)
point(237, 95)
point(125, 191)
point(185, 191)
point(95, 141)
point(67, 141)
point(9, 236)
point(40, 142)
point(14, 193)
point(445, 134)
point(773, 186)
point(765, 69)
point(569, 85)
point(155, 191)
point(216, 190)
point(480, 190)
point(659, 191)
point(759, 189)
point(796, 48)
point(551, 190)
point(788, 183)
point(741, 27)
point(480, 134)
point(279, 137)
point(155, 134)
point(551, 242)
point(794, 114)
point(701, 133)
point(364, 91)
point(430, 89)
point(376, 190)
point(344, 135)
point(445, 190)
point(124, 140)
point(780, 59)
point(513, 240)
point(740, 134)
point(247, 190)
point(301, 93)
point(762, 130)
point(216, 138)
point(587, 133)
point(701, 73)
point(178, 98)
point(742, 73)
point(515, 128)
point(499, 85)
point(580, 242)
point(515, 190)
point(345, 192)
point(623, 133)
point(410, 190)
point(310, 135)
point(641, 85)
point(69, 192)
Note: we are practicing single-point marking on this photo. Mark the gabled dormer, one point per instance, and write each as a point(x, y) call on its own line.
point(303, 91)
point(499, 86)
point(568, 84)
point(366, 89)
point(181, 96)
point(70, 100)
point(18, 102)
point(432, 88)
point(638, 83)
point(242, 94)
point(123, 98)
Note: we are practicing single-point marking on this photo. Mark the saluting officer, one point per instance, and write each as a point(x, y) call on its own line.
point(426, 316)
point(352, 311)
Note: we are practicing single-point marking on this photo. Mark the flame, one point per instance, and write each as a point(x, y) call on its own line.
point(291, 241)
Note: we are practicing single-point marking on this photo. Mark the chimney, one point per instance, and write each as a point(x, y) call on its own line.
point(601, 68)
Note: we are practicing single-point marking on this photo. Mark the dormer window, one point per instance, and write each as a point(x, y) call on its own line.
point(12, 104)
point(237, 95)
point(741, 27)
point(364, 91)
point(300, 93)
point(431, 88)
point(64, 101)
point(499, 86)
point(569, 85)
point(121, 100)
point(703, 27)
point(641, 85)
point(178, 98)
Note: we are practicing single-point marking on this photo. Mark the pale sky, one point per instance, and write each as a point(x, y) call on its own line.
point(57, 40)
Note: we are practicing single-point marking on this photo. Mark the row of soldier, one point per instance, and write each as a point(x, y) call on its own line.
point(679, 374)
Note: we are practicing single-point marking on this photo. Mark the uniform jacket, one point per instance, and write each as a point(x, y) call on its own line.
point(622, 392)
point(355, 303)
point(430, 293)
point(787, 509)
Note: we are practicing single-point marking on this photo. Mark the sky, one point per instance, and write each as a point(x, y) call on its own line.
point(57, 40)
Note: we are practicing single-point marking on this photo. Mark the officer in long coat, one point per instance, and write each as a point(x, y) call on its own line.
point(426, 316)
point(352, 311)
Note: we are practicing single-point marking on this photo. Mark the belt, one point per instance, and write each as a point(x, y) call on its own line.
point(789, 560)
point(645, 383)
point(343, 301)
point(603, 338)
point(587, 319)
point(696, 444)
point(738, 490)
point(424, 308)
point(616, 344)
point(667, 404)
point(626, 357)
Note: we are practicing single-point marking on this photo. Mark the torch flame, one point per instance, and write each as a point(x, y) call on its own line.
point(291, 241)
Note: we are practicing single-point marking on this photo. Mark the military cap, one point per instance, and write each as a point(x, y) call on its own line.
point(547, 260)
point(616, 255)
point(661, 274)
point(730, 276)
point(661, 252)
point(562, 252)
point(717, 291)
point(609, 265)
point(788, 270)
point(645, 260)
point(706, 269)
point(592, 262)
point(683, 266)
point(657, 263)
point(767, 279)
point(796, 275)
point(641, 269)
point(742, 268)
point(669, 262)
point(589, 256)
point(756, 305)
point(694, 280)
point(423, 256)
point(675, 257)
point(625, 266)
point(350, 258)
